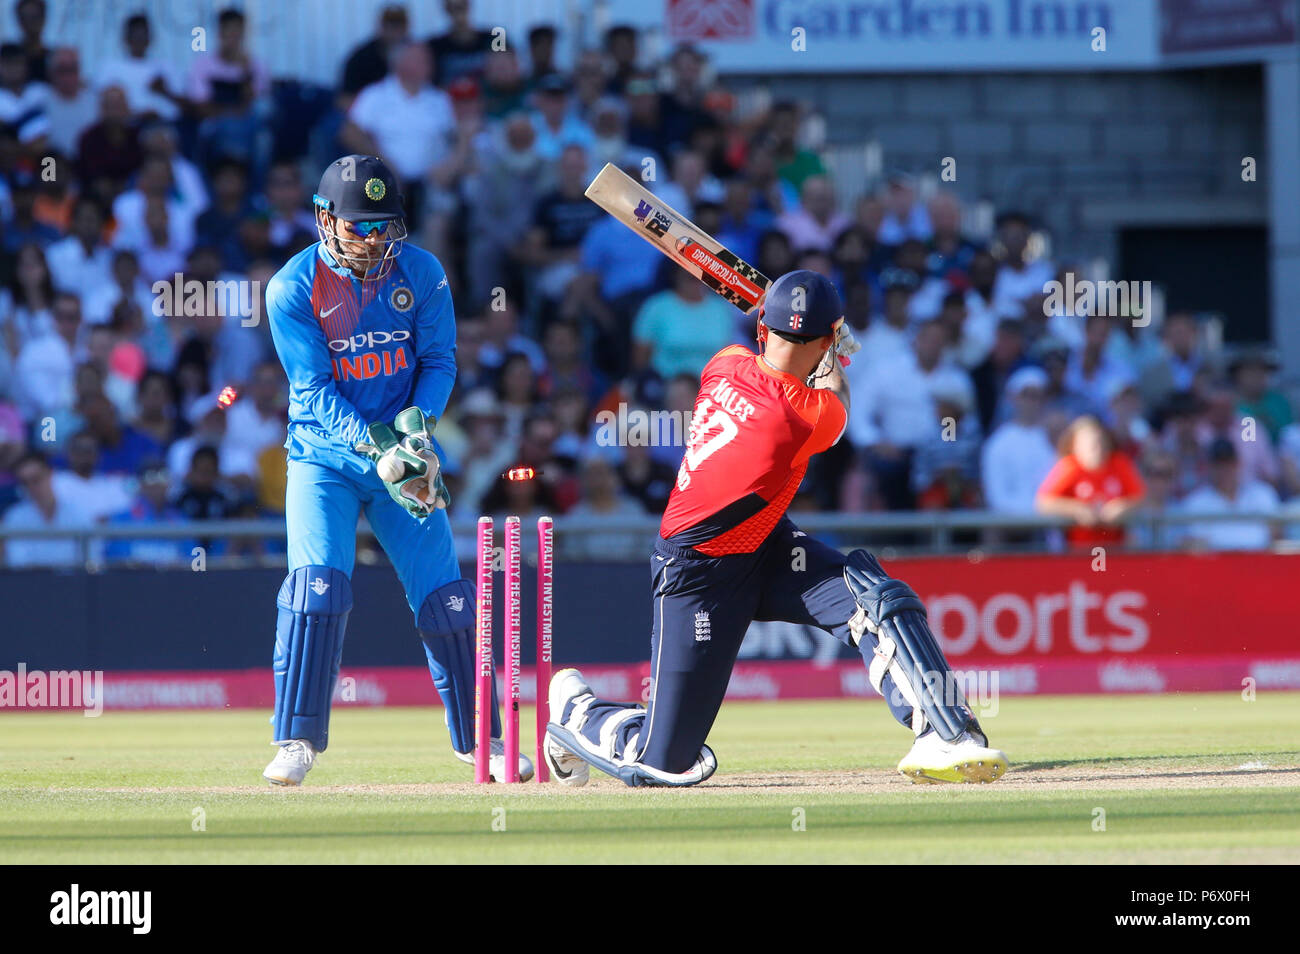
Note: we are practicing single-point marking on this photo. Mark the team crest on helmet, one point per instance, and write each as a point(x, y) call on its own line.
point(375, 189)
point(401, 299)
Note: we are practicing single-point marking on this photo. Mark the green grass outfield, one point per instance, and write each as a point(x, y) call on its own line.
point(1188, 778)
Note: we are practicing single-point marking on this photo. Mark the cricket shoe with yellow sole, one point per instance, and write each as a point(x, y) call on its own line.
point(567, 686)
point(497, 762)
point(291, 764)
point(968, 759)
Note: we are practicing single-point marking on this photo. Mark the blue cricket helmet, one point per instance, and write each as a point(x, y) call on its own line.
point(802, 303)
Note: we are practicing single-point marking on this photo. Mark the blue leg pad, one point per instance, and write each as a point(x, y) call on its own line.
point(314, 603)
point(447, 625)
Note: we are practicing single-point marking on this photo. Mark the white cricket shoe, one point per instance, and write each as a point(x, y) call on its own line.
point(567, 686)
point(497, 762)
point(969, 759)
point(291, 763)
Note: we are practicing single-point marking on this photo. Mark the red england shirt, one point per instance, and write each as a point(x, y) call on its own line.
point(752, 433)
point(1116, 478)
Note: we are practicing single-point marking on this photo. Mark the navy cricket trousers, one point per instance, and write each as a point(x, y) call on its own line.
point(702, 609)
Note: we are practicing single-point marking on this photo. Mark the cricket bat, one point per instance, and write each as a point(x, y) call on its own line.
point(678, 237)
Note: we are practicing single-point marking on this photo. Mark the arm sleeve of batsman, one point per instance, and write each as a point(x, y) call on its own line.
point(305, 356)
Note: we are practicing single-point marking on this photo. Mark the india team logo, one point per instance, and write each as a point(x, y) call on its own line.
point(375, 189)
point(401, 299)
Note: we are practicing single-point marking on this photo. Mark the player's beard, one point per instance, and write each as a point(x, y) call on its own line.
point(360, 256)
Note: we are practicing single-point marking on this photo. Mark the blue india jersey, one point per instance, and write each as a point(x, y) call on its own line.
point(358, 352)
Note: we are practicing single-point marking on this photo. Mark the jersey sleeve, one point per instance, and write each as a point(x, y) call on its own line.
point(435, 341)
point(305, 355)
point(824, 413)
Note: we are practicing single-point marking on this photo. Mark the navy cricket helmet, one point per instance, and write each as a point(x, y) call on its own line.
point(802, 303)
point(362, 192)
point(359, 188)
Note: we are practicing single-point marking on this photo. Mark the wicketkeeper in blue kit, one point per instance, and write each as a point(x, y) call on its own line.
point(365, 330)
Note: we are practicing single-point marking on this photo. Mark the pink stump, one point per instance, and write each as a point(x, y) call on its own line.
point(512, 617)
point(483, 655)
point(545, 622)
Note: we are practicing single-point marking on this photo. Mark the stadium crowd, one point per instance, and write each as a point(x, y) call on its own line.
point(969, 392)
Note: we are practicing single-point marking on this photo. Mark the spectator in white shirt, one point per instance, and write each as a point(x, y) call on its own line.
point(46, 364)
point(1021, 280)
point(41, 509)
point(162, 249)
point(970, 334)
point(887, 337)
point(257, 420)
point(147, 82)
point(160, 139)
point(1229, 492)
point(72, 106)
point(82, 263)
point(982, 297)
point(406, 120)
point(101, 495)
point(816, 223)
point(894, 411)
point(210, 427)
point(1018, 455)
point(127, 285)
point(154, 184)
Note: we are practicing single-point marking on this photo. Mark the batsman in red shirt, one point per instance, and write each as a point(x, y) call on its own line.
point(728, 555)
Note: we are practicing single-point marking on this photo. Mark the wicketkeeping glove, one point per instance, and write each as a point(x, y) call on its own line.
point(405, 461)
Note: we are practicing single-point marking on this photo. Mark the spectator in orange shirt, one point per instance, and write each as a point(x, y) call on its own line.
point(1093, 483)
